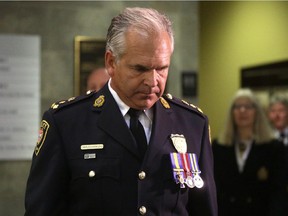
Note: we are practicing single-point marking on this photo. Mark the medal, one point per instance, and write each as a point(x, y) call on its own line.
point(181, 179)
point(198, 181)
point(190, 182)
point(187, 168)
point(179, 142)
point(178, 171)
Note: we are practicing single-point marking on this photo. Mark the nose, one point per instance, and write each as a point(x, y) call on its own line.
point(151, 78)
point(243, 109)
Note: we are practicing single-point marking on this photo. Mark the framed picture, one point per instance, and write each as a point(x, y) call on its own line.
point(89, 53)
point(189, 84)
point(266, 80)
point(268, 75)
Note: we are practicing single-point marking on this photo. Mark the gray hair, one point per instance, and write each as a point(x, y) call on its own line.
point(279, 98)
point(144, 20)
point(262, 130)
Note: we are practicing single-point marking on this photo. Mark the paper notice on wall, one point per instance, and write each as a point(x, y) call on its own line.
point(19, 95)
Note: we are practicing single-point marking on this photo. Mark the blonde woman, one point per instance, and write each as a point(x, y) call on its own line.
point(249, 163)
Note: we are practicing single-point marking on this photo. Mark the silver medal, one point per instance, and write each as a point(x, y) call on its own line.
point(198, 181)
point(190, 182)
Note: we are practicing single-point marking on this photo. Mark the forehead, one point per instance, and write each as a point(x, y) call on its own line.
point(243, 100)
point(278, 105)
point(152, 44)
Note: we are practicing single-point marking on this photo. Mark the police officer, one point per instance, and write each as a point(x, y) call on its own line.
point(88, 162)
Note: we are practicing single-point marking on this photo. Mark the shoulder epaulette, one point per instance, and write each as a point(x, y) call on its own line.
point(182, 103)
point(63, 103)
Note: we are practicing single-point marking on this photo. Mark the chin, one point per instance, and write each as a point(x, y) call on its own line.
point(148, 103)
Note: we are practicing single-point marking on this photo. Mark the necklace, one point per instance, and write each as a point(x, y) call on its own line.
point(242, 147)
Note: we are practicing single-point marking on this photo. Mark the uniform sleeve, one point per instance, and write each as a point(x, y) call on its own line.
point(47, 185)
point(203, 201)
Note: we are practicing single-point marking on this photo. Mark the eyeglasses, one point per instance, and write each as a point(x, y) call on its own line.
point(243, 106)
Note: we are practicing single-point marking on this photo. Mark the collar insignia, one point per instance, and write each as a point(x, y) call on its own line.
point(99, 101)
point(164, 103)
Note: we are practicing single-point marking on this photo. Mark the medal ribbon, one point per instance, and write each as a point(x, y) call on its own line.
point(175, 161)
point(185, 160)
point(186, 169)
point(177, 169)
point(180, 161)
point(194, 163)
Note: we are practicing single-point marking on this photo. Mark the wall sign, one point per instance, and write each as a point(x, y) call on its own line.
point(19, 95)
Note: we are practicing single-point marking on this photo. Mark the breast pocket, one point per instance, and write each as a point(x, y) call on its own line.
point(94, 181)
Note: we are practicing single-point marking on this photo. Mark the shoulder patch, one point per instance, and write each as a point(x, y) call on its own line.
point(44, 126)
point(63, 103)
point(182, 103)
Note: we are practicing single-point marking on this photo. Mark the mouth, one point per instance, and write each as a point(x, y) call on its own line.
point(146, 96)
point(152, 91)
point(150, 94)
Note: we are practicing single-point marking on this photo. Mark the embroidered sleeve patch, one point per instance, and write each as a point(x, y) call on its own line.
point(44, 126)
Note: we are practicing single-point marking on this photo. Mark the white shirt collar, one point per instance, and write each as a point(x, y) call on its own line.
point(241, 158)
point(278, 136)
point(122, 106)
point(146, 118)
point(125, 108)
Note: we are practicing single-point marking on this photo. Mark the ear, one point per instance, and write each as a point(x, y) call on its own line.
point(110, 63)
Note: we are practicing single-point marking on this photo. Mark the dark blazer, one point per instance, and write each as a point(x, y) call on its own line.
point(286, 182)
point(62, 182)
point(259, 189)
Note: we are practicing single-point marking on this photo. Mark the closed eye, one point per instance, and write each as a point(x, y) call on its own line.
point(141, 68)
point(159, 70)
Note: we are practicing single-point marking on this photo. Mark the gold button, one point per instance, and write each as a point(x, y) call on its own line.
point(142, 175)
point(142, 210)
point(91, 174)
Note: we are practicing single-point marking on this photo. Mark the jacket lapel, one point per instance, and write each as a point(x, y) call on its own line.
point(113, 123)
point(162, 129)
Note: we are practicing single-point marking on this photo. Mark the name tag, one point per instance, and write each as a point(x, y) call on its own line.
point(92, 146)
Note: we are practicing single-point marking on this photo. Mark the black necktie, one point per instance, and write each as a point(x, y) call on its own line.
point(282, 136)
point(138, 131)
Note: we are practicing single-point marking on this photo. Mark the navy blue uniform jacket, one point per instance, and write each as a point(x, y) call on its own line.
point(66, 180)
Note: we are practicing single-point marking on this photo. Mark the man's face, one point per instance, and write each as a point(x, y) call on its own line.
point(140, 75)
point(278, 116)
point(97, 79)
